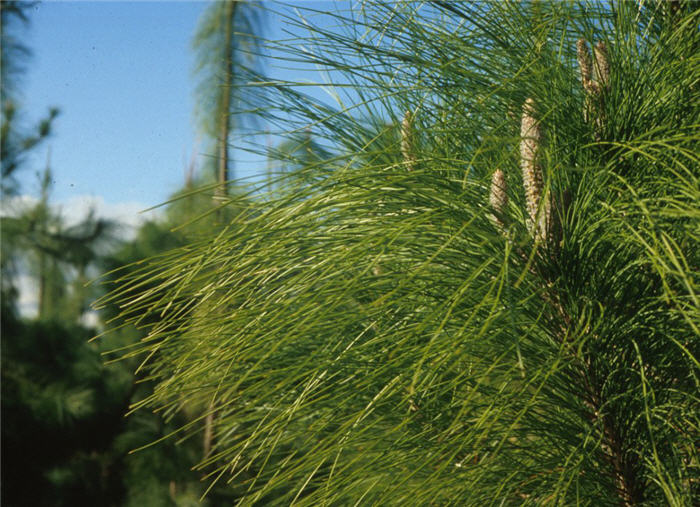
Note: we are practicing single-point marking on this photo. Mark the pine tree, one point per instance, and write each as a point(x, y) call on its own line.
point(501, 307)
point(61, 407)
point(226, 43)
point(15, 141)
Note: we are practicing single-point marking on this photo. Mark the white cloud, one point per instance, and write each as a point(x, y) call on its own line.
point(10, 206)
point(130, 214)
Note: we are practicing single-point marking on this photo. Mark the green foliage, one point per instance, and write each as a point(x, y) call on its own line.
point(61, 407)
point(65, 440)
point(378, 337)
point(161, 474)
point(37, 241)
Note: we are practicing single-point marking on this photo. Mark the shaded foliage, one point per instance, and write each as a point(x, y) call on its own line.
point(61, 408)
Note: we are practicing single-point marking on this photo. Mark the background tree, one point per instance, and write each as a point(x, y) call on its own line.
point(296, 152)
point(59, 257)
point(228, 46)
point(539, 348)
point(60, 405)
point(15, 141)
point(64, 437)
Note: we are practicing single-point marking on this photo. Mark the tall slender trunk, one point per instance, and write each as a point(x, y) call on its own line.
point(208, 431)
point(44, 293)
point(225, 104)
point(223, 173)
point(43, 282)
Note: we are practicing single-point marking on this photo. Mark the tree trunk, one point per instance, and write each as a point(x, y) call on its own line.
point(225, 104)
point(44, 293)
point(42, 309)
point(208, 431)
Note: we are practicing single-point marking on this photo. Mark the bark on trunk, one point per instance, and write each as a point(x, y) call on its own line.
point(224, 112)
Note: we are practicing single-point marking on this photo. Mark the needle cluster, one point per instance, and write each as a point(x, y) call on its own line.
point(366, 337)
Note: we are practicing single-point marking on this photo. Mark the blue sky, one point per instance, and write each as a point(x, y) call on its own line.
point(121, 74)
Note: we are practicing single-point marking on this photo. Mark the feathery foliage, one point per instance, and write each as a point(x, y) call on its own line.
point(377, 337)
point(227, 45)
